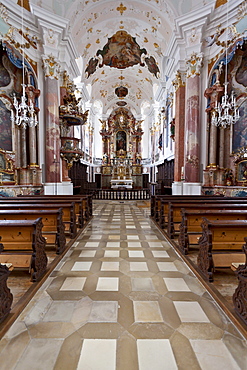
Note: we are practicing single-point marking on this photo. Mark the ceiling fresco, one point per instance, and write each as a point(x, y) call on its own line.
point(121, 43)
point(121, 51)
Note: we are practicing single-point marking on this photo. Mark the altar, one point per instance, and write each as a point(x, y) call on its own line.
point(121, 159)
point(121, 183)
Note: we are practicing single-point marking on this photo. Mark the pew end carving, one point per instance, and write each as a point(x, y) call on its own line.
point(240, 294)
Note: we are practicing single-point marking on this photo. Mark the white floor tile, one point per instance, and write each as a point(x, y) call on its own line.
point(213, 355)
point(190, 312)
point(113, 245)
point(91, 245)
point(134, 254)
point(138, 266)
point(134, 245)
point(166, 266)
point(73, 283)
point(155, 354)
point(107, 284)
point(110, 266)
point(155, 244)
point(87, 254)
point(176, 285)
point(104, 354)
point(82, 266)
point(160, 254)
point(111, 254)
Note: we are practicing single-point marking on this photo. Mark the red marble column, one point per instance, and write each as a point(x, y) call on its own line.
point(192, 126)
point(179, 132)
point(52, 131)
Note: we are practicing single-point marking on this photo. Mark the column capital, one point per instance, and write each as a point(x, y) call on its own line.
point(194, 63)
point(178, 81)
point(51, 66)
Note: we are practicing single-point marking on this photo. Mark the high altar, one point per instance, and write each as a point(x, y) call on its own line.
point(121, 161)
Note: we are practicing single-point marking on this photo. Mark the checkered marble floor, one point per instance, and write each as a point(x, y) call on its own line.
point(122, 299)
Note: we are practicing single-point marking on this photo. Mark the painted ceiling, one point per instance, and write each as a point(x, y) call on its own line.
point(148, 23)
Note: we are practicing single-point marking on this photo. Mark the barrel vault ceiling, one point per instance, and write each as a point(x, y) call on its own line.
point(150, 23)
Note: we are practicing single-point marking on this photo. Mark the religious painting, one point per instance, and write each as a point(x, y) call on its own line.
point(242, 171)
point(121, 141)
point(152, 66)
point(241, 74)
point(5, 127)
point(121, 91)
point(121, 51)
point(91, 68)
point(240, 129)
point(4, 75)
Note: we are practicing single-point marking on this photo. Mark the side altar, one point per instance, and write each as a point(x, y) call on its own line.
point(121, 160)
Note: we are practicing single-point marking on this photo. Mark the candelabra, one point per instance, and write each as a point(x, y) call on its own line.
point(227, 112)
point(24, 114)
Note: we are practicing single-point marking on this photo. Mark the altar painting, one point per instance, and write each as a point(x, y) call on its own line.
point(242, 171)
point(240, 129)
point(5, 127)
point(121, 141)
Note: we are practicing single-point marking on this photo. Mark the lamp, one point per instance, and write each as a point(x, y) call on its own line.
point(226, 112)
point(24, 113)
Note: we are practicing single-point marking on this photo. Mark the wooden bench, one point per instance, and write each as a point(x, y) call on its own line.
point(240, 295)
point(52, 219)
point(6, 297)
point(23, 245)
point(164, 207)
point(190, 226)
point(174, 213)
point(220, 245)
point(83, 204)
point(69, 217)
point(159, 201)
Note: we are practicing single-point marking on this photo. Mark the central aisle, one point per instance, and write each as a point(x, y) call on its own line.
point(122, 299)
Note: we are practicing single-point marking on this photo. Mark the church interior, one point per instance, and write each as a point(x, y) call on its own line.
point(123, 184)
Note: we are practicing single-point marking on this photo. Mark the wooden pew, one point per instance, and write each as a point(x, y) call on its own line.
point(158, 200)
point(69, 217)
point(190, 226)
point(83, 206)
point(240, 295)
point(220, 245)
point(162, 214)
point(174, 212)
point(6, 297)
point(52, 219)
point(23, 245)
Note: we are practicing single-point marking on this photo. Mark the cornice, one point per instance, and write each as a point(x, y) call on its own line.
point(47, 19)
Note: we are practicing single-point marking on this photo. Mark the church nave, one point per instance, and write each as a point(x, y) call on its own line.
point(122, 298)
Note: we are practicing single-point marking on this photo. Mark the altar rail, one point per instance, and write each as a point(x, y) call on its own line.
point(125, 194)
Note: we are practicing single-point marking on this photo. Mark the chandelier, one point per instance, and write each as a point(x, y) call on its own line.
point(24, 114)
point(226, 112)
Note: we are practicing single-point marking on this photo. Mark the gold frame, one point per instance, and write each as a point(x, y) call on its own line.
point(242, 171)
